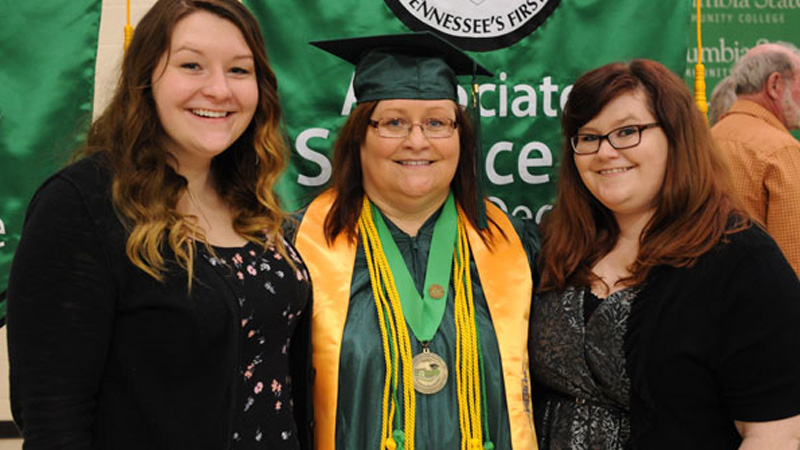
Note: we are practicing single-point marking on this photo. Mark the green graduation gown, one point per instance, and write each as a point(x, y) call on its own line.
point(361, 368)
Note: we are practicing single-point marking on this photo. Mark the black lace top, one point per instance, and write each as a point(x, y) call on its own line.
point(582, 391)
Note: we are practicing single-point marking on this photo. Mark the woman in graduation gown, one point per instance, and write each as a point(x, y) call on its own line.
point(421, 314)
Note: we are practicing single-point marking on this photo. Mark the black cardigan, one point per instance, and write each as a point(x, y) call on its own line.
point(102, 355)
point(714, 343)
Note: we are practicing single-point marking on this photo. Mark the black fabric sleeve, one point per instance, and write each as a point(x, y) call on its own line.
point(61, 301)
point(760, 366)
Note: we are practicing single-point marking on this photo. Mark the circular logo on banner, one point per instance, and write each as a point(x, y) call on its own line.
point(477, 25)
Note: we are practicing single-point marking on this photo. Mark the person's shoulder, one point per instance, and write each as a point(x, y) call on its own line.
point(500, 216)
point(89, 172)
point(319, 203)
point(776, 142)
point(84, 183)
point(743, 251)
point(516, 221)
point(292, 223)
point(746, 245)
point(525, 227)
point(749, 239)
point(86, 174)
point(753, 132)
point(732, 125)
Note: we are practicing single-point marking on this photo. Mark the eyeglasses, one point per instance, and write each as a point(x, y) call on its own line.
point(619, 138)
point(396, 127)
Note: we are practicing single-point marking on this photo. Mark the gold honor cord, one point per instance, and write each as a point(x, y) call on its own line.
point(468, 374)
point(397, 348)
point(390, 311)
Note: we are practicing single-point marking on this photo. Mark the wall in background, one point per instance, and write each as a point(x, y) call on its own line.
point(109, 49)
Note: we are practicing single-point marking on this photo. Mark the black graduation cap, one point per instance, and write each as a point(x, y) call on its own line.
point(414, 66)
point(418, 65)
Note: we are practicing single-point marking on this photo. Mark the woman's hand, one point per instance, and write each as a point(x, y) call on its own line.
point(781, 434)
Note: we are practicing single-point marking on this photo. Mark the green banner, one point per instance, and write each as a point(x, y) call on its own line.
point(731, 27)
point(47, 64)
point(536, 48)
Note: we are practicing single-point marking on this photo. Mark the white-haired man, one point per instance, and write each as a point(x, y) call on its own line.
point(754, 134)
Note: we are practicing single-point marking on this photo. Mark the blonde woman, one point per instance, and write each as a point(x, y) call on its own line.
point(153, 302)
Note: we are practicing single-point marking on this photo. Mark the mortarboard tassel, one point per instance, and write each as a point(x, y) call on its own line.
point(479, 187)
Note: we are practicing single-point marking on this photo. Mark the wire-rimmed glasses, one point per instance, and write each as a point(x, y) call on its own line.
point(397, 127)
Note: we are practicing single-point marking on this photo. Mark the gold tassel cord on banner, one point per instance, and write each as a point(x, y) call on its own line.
point(700, 70)
point(128, 28)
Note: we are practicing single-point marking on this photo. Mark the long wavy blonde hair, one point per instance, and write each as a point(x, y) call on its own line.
point(146, 188)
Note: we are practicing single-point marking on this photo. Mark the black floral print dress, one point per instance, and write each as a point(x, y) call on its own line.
point(582, 389)
point(272, 296)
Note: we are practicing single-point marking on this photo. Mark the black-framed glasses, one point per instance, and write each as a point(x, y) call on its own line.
point(619, 138)
point(397, 127)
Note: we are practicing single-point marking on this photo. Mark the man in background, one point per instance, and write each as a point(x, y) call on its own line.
point(754, 135)
point(722, 98)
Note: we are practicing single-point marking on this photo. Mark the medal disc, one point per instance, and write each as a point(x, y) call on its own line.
point(436, 291)
point(430, 373)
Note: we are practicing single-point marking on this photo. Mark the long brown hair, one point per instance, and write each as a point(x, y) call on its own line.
point(695, 204)
point(146, 188)
point(347, 174)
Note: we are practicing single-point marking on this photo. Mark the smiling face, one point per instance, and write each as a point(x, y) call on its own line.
point(626, 181)
point(204, 88)
point(410, 171)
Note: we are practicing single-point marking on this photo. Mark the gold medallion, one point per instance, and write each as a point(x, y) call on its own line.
point(430, 372)
point(436, 291)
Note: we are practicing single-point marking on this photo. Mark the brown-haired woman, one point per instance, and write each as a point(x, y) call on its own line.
point(421, 316)
point(665, 318)
point(153, 302)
